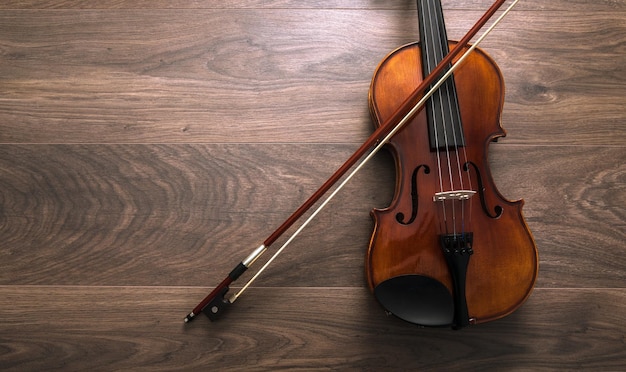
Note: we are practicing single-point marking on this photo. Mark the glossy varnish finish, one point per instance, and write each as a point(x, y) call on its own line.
point(504, 262)
point(147, 147)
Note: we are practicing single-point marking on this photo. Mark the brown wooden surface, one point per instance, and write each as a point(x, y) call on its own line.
point(146, 147)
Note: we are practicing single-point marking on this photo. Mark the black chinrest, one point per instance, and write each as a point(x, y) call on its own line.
point(417, 299)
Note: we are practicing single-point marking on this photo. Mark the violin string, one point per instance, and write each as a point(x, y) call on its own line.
point(455, 118)
point(449, 89)
point(459, 148)
point(431, 102)
point(430, 59)
point(438, 48)
point(378, 147)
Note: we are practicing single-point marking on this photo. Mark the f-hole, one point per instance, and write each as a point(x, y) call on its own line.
point(497, 210)
point(414, 196)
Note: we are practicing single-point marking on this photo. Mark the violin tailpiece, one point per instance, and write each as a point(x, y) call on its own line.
point(457, 249)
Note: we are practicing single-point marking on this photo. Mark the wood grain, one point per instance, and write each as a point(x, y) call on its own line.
point(146, 147)
point(330, 329)
point(74, 76)
point(165, 214)
point(572, 5)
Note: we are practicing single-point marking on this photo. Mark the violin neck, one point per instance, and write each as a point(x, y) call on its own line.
point(442, 109)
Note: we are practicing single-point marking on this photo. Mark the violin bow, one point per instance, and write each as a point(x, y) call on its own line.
point(216, 302)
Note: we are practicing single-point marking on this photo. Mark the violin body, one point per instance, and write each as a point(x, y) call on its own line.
point(450, 250)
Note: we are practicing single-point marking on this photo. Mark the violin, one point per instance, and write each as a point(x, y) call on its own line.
point(450, 250)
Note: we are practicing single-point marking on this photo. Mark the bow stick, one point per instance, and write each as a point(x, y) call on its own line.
point(214, 303)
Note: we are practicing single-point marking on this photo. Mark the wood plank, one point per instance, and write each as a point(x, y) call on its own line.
point(186, 214)
point(105, 214)
point(118, 328)
point(175, 76)
point(570, 5)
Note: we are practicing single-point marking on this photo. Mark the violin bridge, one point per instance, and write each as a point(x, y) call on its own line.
point(453, 195)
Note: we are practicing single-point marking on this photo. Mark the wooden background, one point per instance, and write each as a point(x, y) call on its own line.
point(146, 147)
